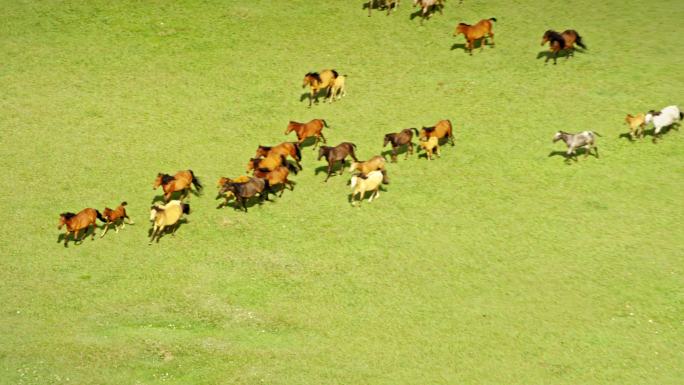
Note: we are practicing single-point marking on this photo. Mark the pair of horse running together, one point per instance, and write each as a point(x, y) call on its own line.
point(84, 219)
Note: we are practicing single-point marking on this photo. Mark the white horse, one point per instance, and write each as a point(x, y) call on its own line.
point(371, 183)
point(668, 116)
point(167, 215)
point(586, 139)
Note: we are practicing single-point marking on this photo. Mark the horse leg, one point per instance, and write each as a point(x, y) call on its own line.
point(394, 154)
point(555, 56)
point(491, 37)
point(323, 137)
point(105, 230)
point(342, 167)
point(330, 164)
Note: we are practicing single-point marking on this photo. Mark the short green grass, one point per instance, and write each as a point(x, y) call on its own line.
point(495, 264)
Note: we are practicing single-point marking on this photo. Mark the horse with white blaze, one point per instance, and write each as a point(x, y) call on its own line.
point(668, 116)
point(584, 139)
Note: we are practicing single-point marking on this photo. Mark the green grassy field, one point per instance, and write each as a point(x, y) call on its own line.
point(495, 264)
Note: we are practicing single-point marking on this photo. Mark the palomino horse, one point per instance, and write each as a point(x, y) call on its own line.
point(668, 116)
point(290, 149)
point(114, 217)
point(277, 176)
point(338, 90)
point(223, 181)
point(430, 146)
point(441, 130)
point(269, 163)
point(371, 182)
point(428, 7)
point(179, 182)
point(167, 215)
point(383, 4)
point(335, 154)
point(399, 139)
point(562, 41)
point(76, 222)
point(376, 163)
point(585, 139)
point(317, 81)
point(636, 123)
point(313, 128)
point(481, 30)
point(244, 191)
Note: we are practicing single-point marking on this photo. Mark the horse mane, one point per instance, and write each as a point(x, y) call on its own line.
point(267, 148)
point(166, 178)
point(464, 24)
point(314, 75)
point(67, 215)
point(429, 129)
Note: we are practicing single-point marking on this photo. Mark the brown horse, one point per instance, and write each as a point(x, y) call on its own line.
point(76, 222)
point(244, 191)
point(269, 163)
point(180, 182)
point(277, 176)
point(562, 41)
point(383, 4)
point(290, 149)
point(399, 139)
point(306, 130)
point(481, 30)
point(337, 153)
point(318, 81)
point(114, 216)
point(440, 130)
point(223, 181)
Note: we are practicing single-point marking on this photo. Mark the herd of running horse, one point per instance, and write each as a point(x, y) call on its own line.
point(271, 166)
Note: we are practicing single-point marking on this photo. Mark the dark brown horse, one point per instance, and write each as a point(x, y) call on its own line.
point(562, 41)
point(269, 163)
point(76, 222)
point(115, 217)
point(277, 177)
point(318, 81)
point(306, 130)
point(223, 181)
point(179, 182)
point(399, 139)
point(290, 149)
point(383, 4)
point(244, 191)
point(440, 130)
point(335, 154)
point(481, 30)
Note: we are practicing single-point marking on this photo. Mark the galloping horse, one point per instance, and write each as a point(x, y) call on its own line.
point(399, 139)
point(338, 90)
point(277, 176)
point(223, 181)
point(430, 146)
point(76, 222)
point(166, 216)
point(114, 216)
point(337, 153)
point(376, 163)
point(269, 163)
point(371, 182)
point(586, 139)
point(667, 117)
point(290, 149)
point(427, 6)
point(383, 4)
point(317, 81)
point(440, 130)
point(313, 128)
point(562, 41)
point(636, 123)
point(179, 182)
point(481, 30)
point(244, 191)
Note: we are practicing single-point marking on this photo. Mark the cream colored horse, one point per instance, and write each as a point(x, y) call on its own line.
point(370, 183)
point(167, 215)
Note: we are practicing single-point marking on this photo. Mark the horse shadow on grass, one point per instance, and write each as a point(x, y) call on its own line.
point(316, 97)
point(376, 5)
point(337, 167)
point(568, 158)
point(562, 54)
point(82, 237)
point(168, 230)
point(478, 44)
point(349, 196)
point(387, 154)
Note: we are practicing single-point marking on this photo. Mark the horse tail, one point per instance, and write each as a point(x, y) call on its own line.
point(579, 41)
point(353, 145)
point(124, 203)
point(196, 181)
point(681, 115)
point(100, 217)
point(325, 123)
point(492, 18)
point(597, 134)
point(298, 151)
point(292, 168)
point(186, 208)
point(354, 179)
point(415, 130)
point(335, 74)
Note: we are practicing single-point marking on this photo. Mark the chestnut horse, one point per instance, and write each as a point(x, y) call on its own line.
point(317, 81)
point(399, 139)
point(179, 182)
point(440, 130)
point(481, 30)
point(76, 222)
point(277, 176)
point(290, 149)
point(337, 153)
point(562, 41)
point(306, 130)
point(114, 216)
point(636, 124)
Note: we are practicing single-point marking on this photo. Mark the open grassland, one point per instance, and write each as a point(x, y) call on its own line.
point(495, 264)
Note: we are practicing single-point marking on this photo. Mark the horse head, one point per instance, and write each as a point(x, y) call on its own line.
point(157, 181)
point(63, 218)
point(323, 151)
point(153, 212)
point(558, 136)
point(461, 28)
point(388, 138)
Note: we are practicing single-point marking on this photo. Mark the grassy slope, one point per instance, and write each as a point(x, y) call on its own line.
point(495, 264)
